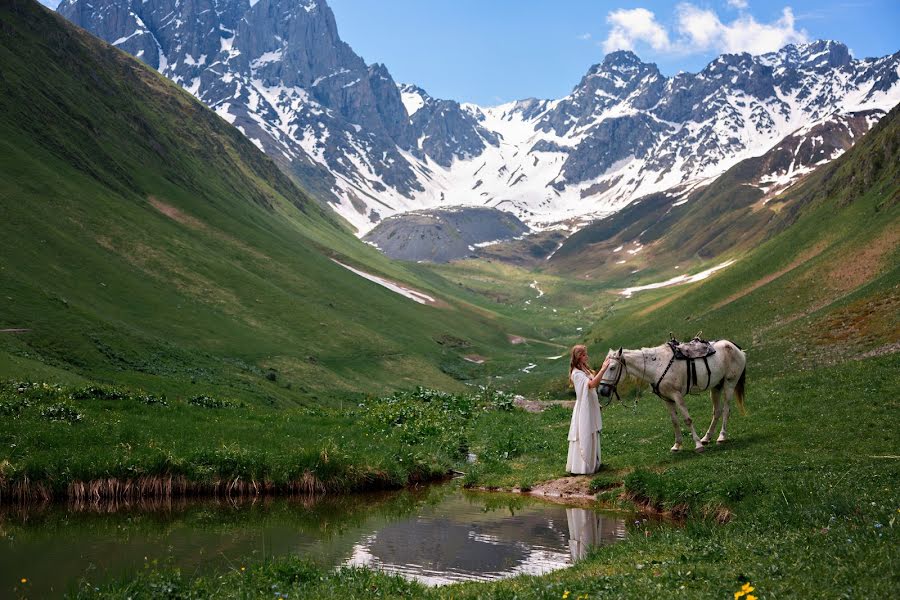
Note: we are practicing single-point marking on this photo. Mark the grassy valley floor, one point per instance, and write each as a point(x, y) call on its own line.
point(802, 501)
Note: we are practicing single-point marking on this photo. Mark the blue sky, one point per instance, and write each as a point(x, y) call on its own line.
point(491, 51)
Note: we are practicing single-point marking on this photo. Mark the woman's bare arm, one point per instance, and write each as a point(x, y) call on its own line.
point(595, 381)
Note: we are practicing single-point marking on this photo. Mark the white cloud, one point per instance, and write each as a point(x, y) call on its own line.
point(583, 36)
point(700, 30)
point(738, 4)
point(635, 25)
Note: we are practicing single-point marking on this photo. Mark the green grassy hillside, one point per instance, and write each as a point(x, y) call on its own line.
point(149, 243)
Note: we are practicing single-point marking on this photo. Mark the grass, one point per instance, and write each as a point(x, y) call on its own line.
point(377, 442)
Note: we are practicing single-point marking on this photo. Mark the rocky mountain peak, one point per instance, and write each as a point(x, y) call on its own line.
point(620, 60)
point(280, 73)
point(621, 66)
point(819, 54)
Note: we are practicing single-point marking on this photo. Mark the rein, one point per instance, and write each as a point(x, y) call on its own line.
point(655, 386)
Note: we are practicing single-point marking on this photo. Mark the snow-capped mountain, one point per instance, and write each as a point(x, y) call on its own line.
point(278, 71)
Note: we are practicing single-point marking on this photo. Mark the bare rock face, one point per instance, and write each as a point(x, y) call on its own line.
point(278, 71)
point(443, 235)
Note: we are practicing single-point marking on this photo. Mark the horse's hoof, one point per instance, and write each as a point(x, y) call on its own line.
point(675, 449)
point(704, 441)
point(699, 448)
point(721, 440)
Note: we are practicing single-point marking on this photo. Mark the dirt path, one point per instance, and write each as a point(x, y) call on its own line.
point(576, 486)
point(803, 258)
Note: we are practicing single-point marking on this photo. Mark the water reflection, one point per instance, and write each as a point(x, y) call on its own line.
point(461, 540)
point(588, 528)
point(437, 535)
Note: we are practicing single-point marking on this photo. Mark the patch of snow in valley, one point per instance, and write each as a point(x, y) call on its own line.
point(678, 280)
point(406, 292)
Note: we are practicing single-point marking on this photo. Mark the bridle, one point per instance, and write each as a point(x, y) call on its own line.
point(620, 360)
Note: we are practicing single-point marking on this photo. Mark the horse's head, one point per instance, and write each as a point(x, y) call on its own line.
point(613, 373)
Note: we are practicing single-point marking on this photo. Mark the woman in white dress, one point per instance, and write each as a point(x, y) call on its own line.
point(587, 422)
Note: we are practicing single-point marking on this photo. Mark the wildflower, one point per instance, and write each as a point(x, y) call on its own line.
point(745, 591)
point(565, 594)
point(243, 568)
point(751, 597)
point(24, 580)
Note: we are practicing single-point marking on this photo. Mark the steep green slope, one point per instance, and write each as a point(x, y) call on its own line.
point(148, 242)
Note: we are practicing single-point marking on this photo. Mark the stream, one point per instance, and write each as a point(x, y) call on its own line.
point(438, 534)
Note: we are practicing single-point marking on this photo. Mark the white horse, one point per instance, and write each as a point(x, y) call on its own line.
point(670, 380)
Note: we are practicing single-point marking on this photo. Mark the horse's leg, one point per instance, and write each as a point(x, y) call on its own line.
point(716, 394)
point(726, 409)
point(686, 416)
point(671, 406)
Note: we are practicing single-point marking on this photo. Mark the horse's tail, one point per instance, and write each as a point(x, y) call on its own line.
point(739, 390)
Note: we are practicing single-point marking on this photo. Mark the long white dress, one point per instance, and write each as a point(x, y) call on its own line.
point(584, 431)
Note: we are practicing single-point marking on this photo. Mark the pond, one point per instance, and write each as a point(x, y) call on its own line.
point(436, 535)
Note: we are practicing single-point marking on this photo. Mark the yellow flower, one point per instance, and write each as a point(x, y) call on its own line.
point(24, 580)
point(747, 588)
point(751, 597)
point(243, 568)
point(565, 594)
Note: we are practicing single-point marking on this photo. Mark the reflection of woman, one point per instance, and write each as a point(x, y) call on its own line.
point(587, 528)
point(584, 431)
point(584, 531)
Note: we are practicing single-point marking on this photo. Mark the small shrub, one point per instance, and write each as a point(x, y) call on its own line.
point(95, 392)
point(13, 408)
point(150, 399)
point(61, 412)
point(210, 402)
point(492, 398)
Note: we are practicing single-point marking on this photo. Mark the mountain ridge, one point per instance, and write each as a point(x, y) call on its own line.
point(346, 131)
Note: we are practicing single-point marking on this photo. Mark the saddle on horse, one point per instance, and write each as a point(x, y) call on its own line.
point(689, 352)
point(696, 348)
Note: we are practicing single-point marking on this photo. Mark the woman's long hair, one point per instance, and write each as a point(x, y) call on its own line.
point(578, 353)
